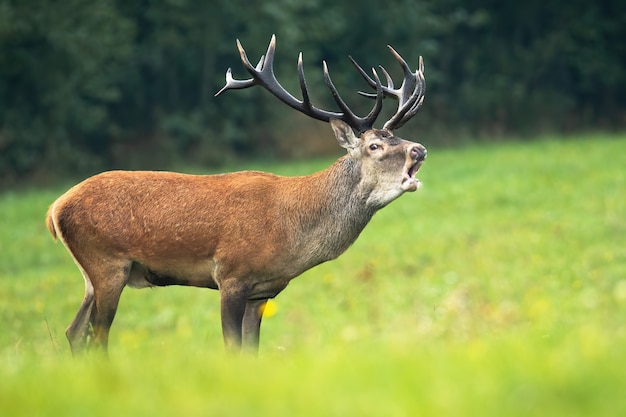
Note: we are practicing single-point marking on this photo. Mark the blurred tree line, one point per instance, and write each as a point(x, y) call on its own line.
point(87, 85)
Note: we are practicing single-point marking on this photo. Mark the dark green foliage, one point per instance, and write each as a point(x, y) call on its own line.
point(89, 85)
point(60, 67)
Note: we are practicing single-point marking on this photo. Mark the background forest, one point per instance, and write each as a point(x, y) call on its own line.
point(90, 85)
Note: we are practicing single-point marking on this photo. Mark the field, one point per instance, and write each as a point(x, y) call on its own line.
point(498, 289)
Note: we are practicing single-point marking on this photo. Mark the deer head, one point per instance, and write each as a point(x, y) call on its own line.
point(389, 163)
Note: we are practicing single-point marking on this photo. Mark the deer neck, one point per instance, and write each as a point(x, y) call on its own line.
point(344, 191)
point(332, 209)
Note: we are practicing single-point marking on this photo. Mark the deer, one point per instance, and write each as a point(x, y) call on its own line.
point(246, 234)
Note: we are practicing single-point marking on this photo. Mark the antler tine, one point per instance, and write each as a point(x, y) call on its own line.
point(361, 71)
point(268, 62)
point(259, 65)
point(409, 82)
point(244, 58)
point(232, 83)
point(388, 77)
point(342, 104)
point(306, 101)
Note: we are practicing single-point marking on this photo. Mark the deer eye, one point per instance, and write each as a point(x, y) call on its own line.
point(373, 147)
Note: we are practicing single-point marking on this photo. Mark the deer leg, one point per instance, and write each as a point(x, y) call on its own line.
point(78, 332)
point(252, 324)
point(106, 280)
point(102, 319)
point(233, 301)
point(107, 300)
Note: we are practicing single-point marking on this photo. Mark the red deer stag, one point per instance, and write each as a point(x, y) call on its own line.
point(246, 234)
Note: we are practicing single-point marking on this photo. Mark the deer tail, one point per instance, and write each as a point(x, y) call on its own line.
point(50, 222)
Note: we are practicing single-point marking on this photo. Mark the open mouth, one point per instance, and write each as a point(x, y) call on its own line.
point(414, 168)
point(409, 182)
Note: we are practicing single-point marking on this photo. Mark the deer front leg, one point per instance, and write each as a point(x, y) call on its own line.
point(252, 324)
point(233, 307)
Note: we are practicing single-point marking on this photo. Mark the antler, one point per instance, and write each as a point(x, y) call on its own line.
point(263, 74)
point(410, 95)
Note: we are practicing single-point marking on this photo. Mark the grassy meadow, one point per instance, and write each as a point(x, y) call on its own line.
point(498, 289)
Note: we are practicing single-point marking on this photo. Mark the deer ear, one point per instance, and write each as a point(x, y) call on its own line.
point(344, 134)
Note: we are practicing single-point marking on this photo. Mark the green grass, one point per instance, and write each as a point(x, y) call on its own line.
point(498, 289)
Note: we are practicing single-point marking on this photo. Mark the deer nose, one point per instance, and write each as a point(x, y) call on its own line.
point(418, 152)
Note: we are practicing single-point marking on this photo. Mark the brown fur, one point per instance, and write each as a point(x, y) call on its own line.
point(245, 233)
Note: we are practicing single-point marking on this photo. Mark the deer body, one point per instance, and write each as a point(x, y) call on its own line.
point(194, 230)
point(246, 234)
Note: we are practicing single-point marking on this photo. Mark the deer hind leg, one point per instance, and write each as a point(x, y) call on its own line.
point(79, 331)
point(104, 282)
